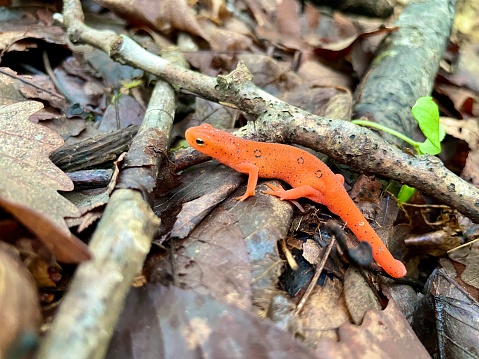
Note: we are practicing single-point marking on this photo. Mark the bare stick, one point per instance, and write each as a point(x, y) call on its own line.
point(88, 315)
point(317, 273)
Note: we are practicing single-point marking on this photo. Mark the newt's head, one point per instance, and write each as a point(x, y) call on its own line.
point(208, 140)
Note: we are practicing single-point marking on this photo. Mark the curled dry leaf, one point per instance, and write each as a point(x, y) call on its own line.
point(467, 130)
point(157, 14)
point(465, 101)
point(17, 34)
point(65, 246)
point(29, 181)
point(19, 308)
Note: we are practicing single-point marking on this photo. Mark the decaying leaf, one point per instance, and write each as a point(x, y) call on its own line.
point(359, 295)
point(465, 101)
point(214, 260)
point(19, 308)
point(469, 257)
point(65, 246)
point(157, 14)
point(466, 22)
point(169, 322)
point(324, 312)
point(16, 37)
point(467, 130)
point(465, 73)
point(29, 181)
point(383, 334)
point(457, 314)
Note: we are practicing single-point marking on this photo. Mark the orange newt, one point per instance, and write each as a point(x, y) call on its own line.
point(307, 174)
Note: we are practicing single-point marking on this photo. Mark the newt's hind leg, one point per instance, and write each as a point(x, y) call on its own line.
point(279, 189)
point(295, 193)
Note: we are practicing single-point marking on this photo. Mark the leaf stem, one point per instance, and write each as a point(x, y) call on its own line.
point(388, 130)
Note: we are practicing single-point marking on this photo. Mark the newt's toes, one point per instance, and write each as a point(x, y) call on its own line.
point(243, 197)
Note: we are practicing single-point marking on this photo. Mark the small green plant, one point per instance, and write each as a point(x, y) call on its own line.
point(125, 88)
point(426, 113)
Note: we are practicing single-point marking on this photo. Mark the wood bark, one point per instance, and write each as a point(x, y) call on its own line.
point(405, 67)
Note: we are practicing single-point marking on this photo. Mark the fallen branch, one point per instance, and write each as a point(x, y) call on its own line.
point(405, 67)
point(85, 322)
point(280, 122)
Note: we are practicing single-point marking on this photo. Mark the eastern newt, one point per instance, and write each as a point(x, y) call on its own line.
point(307, 175)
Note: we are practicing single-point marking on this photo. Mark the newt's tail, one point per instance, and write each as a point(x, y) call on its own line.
point(362, 229)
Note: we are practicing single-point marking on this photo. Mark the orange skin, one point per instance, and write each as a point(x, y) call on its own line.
point(308, 176)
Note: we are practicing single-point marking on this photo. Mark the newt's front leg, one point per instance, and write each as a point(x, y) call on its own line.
point(252, 171)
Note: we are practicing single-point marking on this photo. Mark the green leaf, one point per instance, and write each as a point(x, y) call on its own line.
point(178, 144)
point(405, 193)
point(426, 113)
point(428, 147)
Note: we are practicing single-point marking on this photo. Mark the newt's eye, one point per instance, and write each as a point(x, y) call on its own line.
point(200, 142)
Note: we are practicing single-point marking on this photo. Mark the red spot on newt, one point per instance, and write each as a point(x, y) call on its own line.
point(307, 174)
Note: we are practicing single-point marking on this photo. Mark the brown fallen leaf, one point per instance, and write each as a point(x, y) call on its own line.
point(468, 256)
point(340, 48)
point(320, 75)
point(466, 22)
point(157, 14)
point(359, 295)
point(367, 195)
point(222, 40)
point(465, 71)
point(79, 86)
point(126, 111)
point(17, 35)
point(41, 87)
point(457, 313)
point(183, 214)
point(288, 22)
point(169, 322)
point(383, 334)
point(214, 260)
point(29, 181)
point(467, 130)
point(465, 101)
point(64, 245)
point(216, 11)
point(19, 308)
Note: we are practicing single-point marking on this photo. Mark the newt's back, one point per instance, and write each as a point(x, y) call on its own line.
point(290, 164)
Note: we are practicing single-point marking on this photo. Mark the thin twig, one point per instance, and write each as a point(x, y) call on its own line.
point(7, 73)
point(317, 273)
point(58, 85)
